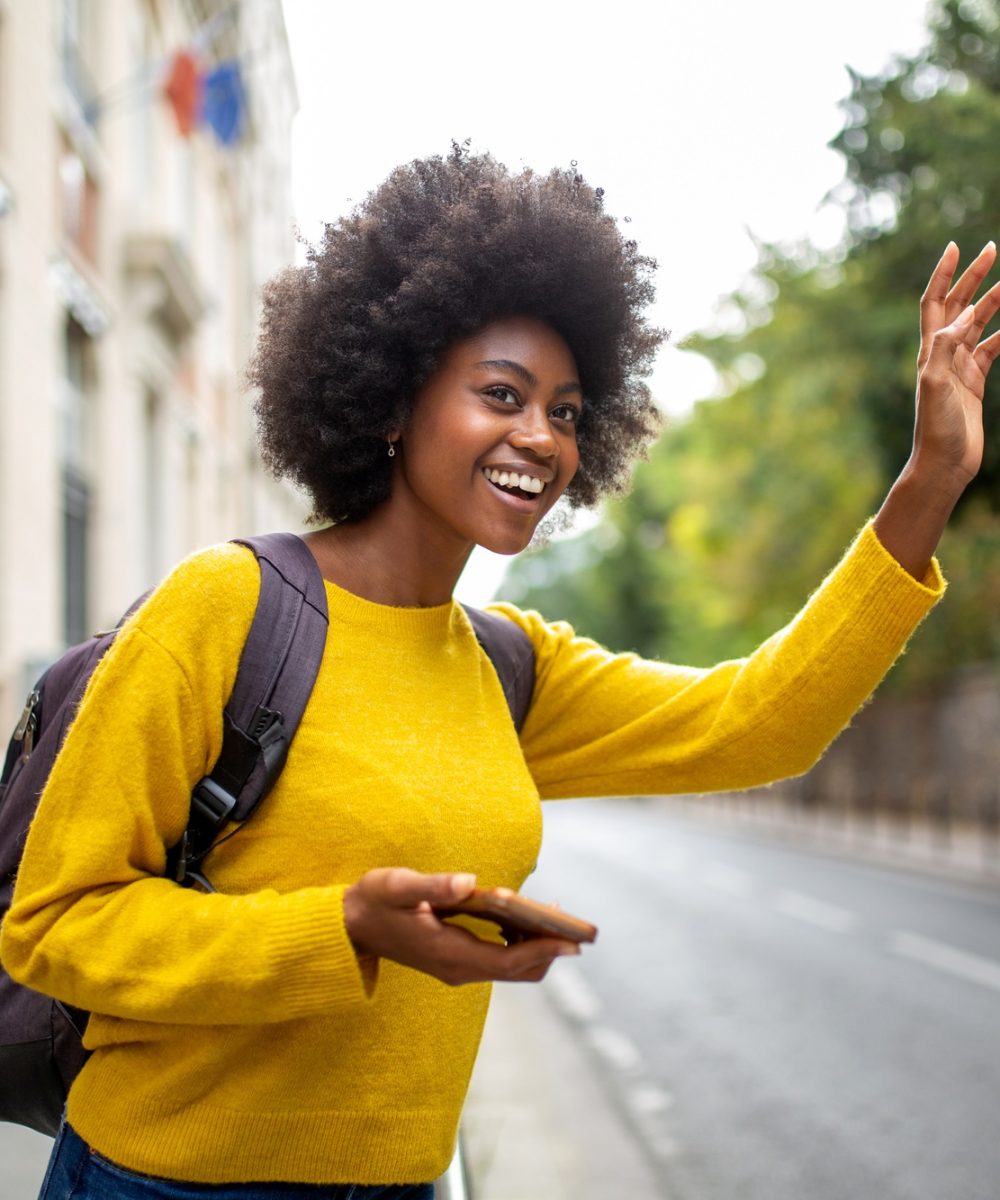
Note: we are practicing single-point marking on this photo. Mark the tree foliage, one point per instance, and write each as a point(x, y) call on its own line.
point(920, 172)
point(745, 503)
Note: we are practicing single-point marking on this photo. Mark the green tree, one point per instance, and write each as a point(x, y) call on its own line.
point(745, 504)
point(920, 171)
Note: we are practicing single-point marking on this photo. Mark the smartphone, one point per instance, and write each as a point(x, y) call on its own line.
point(520, 918)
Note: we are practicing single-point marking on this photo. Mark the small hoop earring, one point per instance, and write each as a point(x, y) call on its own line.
point(392, 449)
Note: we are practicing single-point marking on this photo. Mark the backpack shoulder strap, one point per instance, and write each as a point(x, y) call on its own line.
point(283, 650)
point(510, 650)
point(277, 670)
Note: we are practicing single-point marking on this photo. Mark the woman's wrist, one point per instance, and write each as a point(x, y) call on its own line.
point(915, 513)
point(353, 917)
point(938, 484)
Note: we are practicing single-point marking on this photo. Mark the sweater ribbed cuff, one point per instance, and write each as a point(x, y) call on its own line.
point(311, 983)
point(874, 568)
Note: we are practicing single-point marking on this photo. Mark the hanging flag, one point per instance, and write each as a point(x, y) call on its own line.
point(224, 104)
point(184, 91)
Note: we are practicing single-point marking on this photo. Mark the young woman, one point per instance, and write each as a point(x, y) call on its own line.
point(457, 355)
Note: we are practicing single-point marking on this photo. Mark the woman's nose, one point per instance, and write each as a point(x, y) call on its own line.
point(533, 431)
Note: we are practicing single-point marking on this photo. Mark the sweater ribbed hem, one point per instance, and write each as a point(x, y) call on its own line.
point(202, 1144)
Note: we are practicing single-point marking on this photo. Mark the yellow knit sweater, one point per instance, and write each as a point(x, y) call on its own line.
point(237, 1036)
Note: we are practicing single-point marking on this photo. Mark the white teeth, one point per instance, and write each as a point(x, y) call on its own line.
point(511, 479)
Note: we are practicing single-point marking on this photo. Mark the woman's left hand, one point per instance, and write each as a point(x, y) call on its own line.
point(948, 437)
point(952, 367)
point(390, 913)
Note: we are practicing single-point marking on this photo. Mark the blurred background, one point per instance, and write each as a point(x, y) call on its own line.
point(134, 238)
point(797, 171)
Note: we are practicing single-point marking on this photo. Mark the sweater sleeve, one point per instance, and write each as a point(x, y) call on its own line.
point(617, 724)
point(93, 921)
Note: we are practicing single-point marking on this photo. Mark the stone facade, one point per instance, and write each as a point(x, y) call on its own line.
point(131, 259)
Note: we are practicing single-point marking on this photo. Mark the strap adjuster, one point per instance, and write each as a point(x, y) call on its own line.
point(211, 805)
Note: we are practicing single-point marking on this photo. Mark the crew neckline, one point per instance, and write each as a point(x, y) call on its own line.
point(352, 609)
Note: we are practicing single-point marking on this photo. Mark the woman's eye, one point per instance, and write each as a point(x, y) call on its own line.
point(567, 412)
point(505, 395)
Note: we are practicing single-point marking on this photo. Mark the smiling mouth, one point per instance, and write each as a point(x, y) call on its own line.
point(527, 487)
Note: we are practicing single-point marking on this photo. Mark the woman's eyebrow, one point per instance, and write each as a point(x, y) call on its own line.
point(522, 372)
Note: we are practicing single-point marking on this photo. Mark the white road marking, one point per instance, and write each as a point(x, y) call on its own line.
point(823, 915)
point(648, 1104)
point(573, 995)
point(576, 1001)
point(647, 1099)
point(731, 880)
point(614, 1047)
point(960, 963)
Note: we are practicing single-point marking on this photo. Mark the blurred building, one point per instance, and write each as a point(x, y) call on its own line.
point(131, 257)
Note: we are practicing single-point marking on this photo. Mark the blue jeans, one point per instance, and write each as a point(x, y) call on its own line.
point(78, 1173)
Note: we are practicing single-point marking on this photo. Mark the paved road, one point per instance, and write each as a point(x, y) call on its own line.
point(771, 1024)
point(780, 1025)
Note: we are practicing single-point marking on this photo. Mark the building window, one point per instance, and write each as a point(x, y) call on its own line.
point(76, 522)
point(153, 483)
point(78, 196)
point(193, 512)
point(76, 497)
point(76, 35)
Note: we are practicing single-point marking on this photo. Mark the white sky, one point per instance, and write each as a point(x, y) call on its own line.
point(704, 121)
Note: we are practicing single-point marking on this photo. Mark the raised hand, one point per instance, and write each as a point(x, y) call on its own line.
point(948, 438)
point(389, 913)
point(953, 364)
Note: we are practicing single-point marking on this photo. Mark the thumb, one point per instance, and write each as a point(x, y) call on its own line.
point(405, 888)
point(947, 340)
point(959, 329)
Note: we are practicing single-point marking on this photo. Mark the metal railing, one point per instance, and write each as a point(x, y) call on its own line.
point(454, 1183)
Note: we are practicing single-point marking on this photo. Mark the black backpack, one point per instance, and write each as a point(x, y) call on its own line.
point(41, 1049)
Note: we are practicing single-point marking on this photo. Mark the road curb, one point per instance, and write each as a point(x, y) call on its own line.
point(540, 1121)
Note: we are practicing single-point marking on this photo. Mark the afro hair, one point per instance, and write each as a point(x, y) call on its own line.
point(441, 248)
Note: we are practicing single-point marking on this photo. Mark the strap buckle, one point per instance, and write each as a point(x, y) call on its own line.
point(211, 805)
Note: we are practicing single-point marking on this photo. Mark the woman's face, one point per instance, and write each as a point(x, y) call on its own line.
point(491, 444)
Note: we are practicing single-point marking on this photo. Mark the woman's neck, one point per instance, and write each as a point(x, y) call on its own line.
point(371, 560)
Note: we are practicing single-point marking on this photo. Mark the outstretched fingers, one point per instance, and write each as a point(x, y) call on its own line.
point(528, 961)
point(971, 279)
point(942, 302)
point(935, 297)
point(465, 958)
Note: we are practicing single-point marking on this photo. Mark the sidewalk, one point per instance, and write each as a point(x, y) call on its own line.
point(965, 854)
point(24, 1156)
point(538, 1123)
